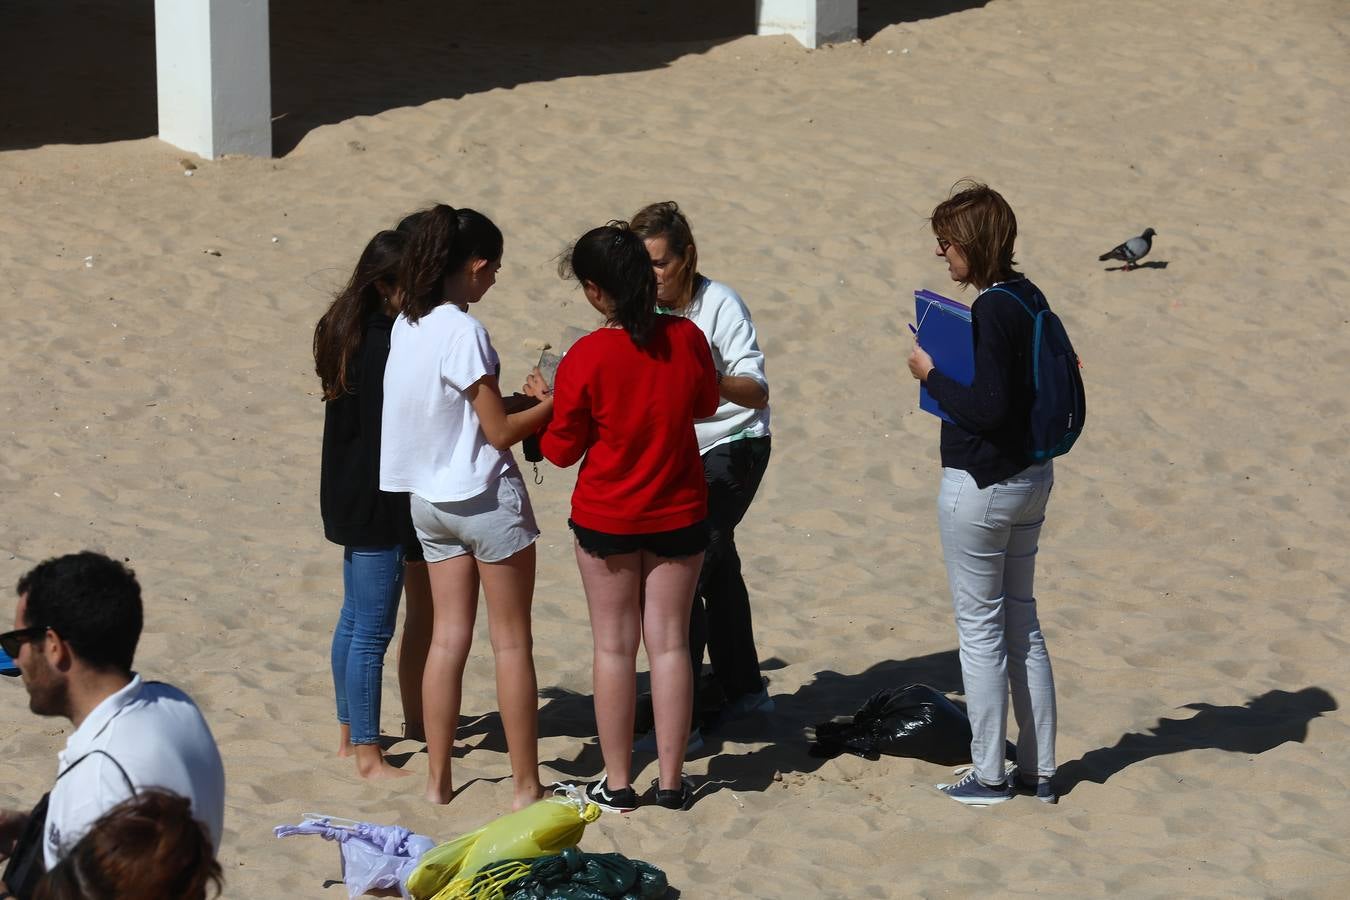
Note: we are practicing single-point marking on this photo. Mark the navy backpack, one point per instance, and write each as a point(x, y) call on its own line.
point(1059, 407)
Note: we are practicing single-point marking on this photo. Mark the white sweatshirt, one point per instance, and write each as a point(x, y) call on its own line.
point(721, 315)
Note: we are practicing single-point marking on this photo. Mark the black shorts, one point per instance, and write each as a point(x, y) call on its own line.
point(681, 542)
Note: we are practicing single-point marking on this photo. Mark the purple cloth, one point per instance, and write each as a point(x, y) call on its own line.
point(373, 856)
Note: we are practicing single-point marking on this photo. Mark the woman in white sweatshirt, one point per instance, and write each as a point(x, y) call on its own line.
point(734, 443)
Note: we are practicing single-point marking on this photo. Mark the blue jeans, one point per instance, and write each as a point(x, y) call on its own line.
point(372, 582)
point(989, 541)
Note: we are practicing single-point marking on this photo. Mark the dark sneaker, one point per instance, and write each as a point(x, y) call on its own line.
point(624, 800)
point(748, 705)
point(679, 798)
point(973, 792)
point(1040, 789)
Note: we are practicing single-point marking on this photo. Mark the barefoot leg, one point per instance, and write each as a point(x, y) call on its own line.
point(454, 597)
point(613, 586)
point(508, 587)
point(413, 647)
point(668, 593)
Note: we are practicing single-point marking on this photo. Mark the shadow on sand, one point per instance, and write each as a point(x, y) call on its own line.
point(1263, 723)
point(1151, 264)
point(828, 695)
point(83, 71)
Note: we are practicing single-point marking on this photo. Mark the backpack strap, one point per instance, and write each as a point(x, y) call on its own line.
point(125, 777)
point(27, 861)
point(1020, 302)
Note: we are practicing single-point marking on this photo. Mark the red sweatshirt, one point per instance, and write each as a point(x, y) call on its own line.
point(631, 412)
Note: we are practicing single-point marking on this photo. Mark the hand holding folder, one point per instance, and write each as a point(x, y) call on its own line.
point(944, 332)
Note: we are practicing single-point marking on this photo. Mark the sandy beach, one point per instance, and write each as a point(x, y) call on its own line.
point(160, 404)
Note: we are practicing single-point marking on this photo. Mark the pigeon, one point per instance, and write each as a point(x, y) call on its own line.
point(1133, 250)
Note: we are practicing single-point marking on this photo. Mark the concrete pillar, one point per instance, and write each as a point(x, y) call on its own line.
point(212, 60)
point(813, 22)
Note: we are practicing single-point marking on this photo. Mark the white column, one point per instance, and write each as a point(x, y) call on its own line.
point(813, 22)
point(212, 60)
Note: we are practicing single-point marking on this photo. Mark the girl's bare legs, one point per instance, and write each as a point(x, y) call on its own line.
point(413, 646)
point(667, 594)
point(613, 594)
point(454, 597)
point(509, 588)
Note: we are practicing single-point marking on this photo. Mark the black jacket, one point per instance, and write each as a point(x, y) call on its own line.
point(356, 513)
point(988, 439)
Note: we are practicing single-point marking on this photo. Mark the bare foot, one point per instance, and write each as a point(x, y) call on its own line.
point(526, 795)
point(372, 766)
point(382, 772)
point(437, 794)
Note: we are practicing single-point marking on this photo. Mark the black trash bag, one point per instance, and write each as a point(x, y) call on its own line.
point(914, 721)
point(574, 875)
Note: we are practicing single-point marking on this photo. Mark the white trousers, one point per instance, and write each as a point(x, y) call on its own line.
point(989, 541)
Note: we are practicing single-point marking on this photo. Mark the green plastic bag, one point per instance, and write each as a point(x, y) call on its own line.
point(574, 875)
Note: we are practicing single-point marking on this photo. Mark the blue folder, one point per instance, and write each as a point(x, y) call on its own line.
point(943, 329)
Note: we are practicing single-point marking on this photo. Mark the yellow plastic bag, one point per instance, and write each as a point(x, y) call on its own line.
point(541, 829)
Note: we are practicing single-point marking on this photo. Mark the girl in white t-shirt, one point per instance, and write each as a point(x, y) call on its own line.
point(446, 440)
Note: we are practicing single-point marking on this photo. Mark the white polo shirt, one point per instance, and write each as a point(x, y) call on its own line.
point(158, 736)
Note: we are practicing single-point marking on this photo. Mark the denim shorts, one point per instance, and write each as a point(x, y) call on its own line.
point(493, 526)
point(682, 542)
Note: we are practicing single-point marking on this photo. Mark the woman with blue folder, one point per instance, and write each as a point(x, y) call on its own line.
point(991, 505)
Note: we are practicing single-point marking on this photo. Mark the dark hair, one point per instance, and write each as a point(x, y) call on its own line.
point(408, 224)
point(614, 258)
point(147, 846)
point(92, 602)
point(978, 220)
point(337, 336)
point(443, 241)
point(666, 220)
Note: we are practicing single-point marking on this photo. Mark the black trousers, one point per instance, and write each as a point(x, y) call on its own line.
point(720, 619)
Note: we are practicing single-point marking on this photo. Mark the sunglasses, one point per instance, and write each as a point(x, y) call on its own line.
point(943, 244)
point(12, 641)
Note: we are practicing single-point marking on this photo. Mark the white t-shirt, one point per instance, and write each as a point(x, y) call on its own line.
point(722, 316)
point(158, 736)
point(432, 443)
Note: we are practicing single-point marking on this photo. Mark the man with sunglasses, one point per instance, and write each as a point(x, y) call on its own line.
point(77, 622)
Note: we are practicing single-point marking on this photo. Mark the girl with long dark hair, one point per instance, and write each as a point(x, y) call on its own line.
point(447, 441)
point(380, 549)
point(626, 397)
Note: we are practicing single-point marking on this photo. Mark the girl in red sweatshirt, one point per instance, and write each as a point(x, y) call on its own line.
point(625, 398)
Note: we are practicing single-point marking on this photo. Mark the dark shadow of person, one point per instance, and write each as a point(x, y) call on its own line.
point(827, 695)
point(1263, 723)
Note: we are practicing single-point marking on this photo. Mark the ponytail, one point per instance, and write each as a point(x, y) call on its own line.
point(614, 258)
point(441, 242)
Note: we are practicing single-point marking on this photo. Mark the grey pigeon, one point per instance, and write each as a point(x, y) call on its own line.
point(1133, 250)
